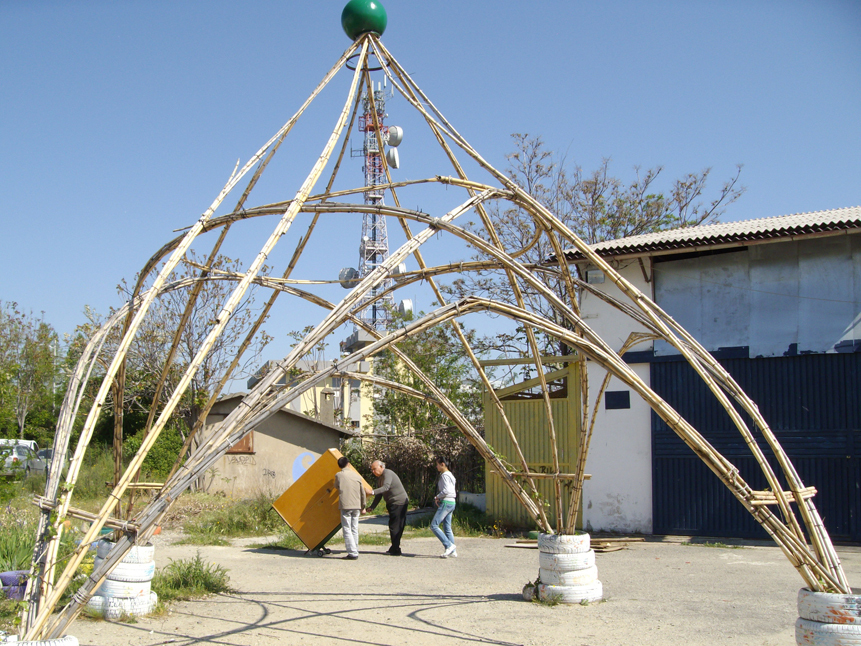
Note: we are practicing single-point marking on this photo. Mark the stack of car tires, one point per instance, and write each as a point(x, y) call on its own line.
point(827, 618)
point(567, 569)
point(126, 590)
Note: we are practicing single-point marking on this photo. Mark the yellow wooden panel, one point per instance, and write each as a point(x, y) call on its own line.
point(528, 419)
point(310, 505)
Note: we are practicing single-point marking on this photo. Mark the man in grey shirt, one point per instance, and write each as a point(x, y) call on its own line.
point(390, 488)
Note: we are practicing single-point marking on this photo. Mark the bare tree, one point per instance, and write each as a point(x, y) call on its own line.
point(597, 206)
point(147, 355)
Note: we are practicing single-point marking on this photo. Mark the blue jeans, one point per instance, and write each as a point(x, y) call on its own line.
point(443, 517)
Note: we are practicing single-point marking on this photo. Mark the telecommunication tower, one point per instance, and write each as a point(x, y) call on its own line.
point(374, 244)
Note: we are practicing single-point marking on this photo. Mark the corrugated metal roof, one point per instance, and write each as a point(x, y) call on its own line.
point(727, 233)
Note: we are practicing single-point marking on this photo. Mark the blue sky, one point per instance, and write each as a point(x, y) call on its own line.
point(121, 120)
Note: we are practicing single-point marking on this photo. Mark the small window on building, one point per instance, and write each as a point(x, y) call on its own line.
point(245, 445)
point(617, 399)
point(594, 276)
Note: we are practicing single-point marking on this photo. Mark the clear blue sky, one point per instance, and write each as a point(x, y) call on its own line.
point(121, 120)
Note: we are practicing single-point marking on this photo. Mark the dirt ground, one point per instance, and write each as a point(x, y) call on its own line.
point(657, 592)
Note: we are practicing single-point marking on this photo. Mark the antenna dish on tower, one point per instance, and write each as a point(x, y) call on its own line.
point(395, 137)
point(348, 277)
point(392, 158)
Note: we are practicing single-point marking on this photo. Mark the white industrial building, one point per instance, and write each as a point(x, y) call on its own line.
point(778, 301)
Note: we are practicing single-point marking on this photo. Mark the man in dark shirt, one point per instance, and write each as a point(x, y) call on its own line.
point(390, 488)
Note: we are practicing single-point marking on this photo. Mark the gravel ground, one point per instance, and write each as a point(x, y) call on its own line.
point(657, 592)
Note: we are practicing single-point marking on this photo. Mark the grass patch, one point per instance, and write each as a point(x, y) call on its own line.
point(211, 540)
point(379, 510)
point(287, 540)
point(236, 519)
point(375, 538)
point(96, 470)
point(715, 544)
point(551, 601)
point(467, 520)
point(190, 579)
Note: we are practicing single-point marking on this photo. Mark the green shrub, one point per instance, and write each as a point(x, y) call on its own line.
point(96, 470)
point(17, 539)
point(34, 485)
point(412, 458)
point(10, 609)
point(9, 490)
point(190, 579)
point(162, 456)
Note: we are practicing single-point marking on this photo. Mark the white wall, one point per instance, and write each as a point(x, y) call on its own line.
point(618, 497)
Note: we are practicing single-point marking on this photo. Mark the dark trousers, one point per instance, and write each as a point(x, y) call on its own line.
point(397, 522)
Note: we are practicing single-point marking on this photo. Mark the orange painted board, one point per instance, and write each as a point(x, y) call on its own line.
point(310, 505)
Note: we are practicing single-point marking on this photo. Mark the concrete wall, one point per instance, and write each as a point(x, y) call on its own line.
point(619, 495)
point(778, 298)
point(285, 445)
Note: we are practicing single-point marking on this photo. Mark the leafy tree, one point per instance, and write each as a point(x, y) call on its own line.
point(440, 355)
point(28, 372)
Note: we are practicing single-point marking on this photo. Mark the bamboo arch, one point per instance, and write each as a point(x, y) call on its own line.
point(817, 563)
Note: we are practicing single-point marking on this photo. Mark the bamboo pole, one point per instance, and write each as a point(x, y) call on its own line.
point(223, 317)
point(270, 302)
point(472, 191)
point(821, 569)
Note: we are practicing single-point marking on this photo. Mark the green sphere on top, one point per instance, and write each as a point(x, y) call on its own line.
point(362, 16)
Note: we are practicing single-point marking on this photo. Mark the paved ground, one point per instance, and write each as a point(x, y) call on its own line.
point(657, 593)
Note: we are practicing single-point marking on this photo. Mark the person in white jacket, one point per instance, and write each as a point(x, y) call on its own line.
point(445, 502)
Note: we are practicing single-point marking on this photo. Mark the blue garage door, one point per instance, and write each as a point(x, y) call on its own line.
point(812, 404)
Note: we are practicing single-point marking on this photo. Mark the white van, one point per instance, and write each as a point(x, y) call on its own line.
point(30, 444)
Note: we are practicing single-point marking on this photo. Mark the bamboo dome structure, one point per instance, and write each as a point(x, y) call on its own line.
point(789, 516)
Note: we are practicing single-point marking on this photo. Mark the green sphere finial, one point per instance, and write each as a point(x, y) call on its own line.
point(362, 16)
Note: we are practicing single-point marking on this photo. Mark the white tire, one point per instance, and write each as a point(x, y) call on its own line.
point(123, 588)
point(68, 640)
point(576, 577)
point(571, 593)
point(563, 543)
point(129, 571)
point(116, 607)
point(566, 562)
point(830, 608)
point(815, 633)
point(137, 554)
